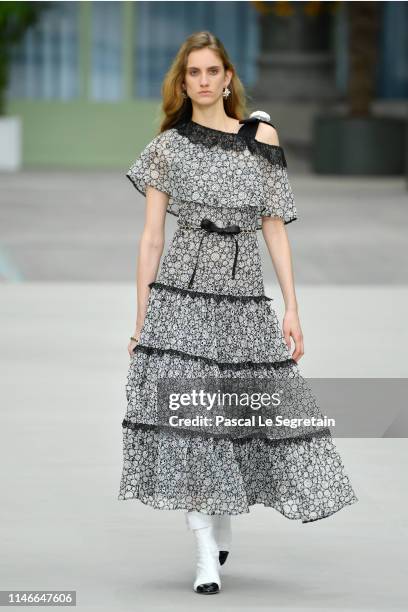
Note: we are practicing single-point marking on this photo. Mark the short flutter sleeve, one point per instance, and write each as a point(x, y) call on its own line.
point(277, 195)
point(151, 168)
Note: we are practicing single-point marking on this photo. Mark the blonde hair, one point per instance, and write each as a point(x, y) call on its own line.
point(177, 108)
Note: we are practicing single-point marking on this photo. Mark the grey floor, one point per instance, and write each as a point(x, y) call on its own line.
point(67, 256)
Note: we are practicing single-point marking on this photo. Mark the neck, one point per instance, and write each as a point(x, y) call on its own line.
point(215, 118)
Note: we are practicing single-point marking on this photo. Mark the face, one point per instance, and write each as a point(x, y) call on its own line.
point(205, 77)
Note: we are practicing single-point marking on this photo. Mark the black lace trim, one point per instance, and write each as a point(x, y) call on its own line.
point(323, 432)
point(290, 221)
point(227, 365)
point(209, 137)
point(218, 297)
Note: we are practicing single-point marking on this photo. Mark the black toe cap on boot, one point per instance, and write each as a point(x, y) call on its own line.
point(223, 556)
point(208, 588)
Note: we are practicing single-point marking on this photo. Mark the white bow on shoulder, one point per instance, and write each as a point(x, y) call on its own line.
point(261, 115)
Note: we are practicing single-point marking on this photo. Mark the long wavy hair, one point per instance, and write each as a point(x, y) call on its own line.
point(177, 108)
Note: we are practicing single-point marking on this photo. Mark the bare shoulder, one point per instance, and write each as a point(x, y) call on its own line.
point(267, 133)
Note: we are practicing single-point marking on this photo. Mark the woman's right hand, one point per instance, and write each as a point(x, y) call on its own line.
point(133, 343)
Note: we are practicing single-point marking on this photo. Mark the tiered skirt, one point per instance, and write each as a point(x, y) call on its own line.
point(193, 334)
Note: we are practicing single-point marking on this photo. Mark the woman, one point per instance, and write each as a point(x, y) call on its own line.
point(206, 317)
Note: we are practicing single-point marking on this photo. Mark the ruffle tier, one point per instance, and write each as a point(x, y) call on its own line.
point(219, 328)
point(195, 165)
point(150, 366)
point(302, 479)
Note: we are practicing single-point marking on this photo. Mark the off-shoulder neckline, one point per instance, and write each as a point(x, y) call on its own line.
point(227, 134)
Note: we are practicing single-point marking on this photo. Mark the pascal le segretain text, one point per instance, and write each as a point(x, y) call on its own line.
point(252, 421)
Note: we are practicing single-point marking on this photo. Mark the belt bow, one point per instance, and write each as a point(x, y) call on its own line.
point(210, 227)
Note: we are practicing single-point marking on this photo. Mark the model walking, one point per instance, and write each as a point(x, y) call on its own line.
point(206, 315)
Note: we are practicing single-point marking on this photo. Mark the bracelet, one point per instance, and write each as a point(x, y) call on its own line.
point(135, 339)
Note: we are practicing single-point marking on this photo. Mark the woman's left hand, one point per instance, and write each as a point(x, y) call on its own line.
point(291, 328)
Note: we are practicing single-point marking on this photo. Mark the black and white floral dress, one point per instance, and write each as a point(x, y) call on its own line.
point(208, 316)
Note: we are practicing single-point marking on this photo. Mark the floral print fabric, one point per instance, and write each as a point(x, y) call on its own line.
point(222, 326)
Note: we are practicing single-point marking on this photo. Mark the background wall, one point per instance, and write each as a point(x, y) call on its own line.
point(86, 79)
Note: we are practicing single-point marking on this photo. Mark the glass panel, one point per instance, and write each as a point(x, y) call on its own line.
point(107, 51)
point(392, 74)
point(45, 64)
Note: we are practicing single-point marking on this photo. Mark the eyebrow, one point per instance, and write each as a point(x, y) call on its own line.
point(209, 67)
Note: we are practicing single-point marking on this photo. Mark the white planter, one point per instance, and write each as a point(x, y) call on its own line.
point(10, 143)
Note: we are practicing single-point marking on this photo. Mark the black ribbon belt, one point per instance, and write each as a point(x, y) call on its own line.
point(210, 227)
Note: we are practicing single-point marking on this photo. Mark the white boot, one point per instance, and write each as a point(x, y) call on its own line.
point(207, 579)
point(223, 535)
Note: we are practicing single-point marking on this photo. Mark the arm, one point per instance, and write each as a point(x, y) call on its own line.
point(150, 250)
point(277, 241)
point(276, 238)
